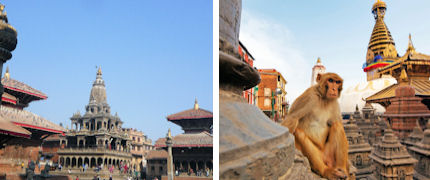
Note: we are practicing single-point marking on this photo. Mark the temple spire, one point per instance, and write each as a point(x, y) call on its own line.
point(411, 48)
point(98, 91)
point(381, 49)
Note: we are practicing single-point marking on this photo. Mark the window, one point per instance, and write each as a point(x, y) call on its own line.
point(134, 138)
point(138, 148)
point(138, 139)
point(267, 102)
point(267, 92)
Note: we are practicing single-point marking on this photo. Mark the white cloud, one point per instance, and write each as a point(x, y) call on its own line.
point(272, 45)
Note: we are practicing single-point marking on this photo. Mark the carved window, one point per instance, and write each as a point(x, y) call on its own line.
point(267, 92)
point(267, 102)
point(359, 161)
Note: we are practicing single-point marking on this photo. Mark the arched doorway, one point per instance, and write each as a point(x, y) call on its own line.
point(79, 162)
point(93, 162)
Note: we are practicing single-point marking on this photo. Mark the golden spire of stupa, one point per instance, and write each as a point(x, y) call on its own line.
point(318, 60)
point(6, 74)
point(381, 45)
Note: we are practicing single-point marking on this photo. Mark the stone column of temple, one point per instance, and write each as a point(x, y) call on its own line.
point(169, 144)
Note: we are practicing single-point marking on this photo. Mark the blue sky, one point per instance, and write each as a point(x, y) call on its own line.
point(291, 35)
point(156, 57)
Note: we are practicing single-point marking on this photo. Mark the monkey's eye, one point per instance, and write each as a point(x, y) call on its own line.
point(338, 82)
point(330, 80)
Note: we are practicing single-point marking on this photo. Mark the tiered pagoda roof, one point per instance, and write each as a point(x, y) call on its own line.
point(418, 72)
point(156, 154)
point(197, 124)
point(194, 113)
point(8, 128)
point(29, 120)
point(193, 120)
point(203, 139)
point(19, 93)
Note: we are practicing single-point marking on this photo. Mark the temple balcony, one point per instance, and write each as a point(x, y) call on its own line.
point(92, 151)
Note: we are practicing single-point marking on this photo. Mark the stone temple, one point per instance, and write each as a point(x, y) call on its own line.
point(96, 138)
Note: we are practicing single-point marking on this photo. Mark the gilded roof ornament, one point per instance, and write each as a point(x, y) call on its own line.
point(411, 48)
point(403, 77)
point(318, 60)
point(169, 134)
point(196, 105)
point(99, 72)
point(6, 74)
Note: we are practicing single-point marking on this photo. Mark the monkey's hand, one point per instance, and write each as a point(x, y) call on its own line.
point(334, 173)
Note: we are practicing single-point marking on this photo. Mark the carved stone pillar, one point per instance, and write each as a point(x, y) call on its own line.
point(251, 146)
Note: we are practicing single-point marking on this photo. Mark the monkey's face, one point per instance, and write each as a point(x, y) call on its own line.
point(330, 85)
point(333, 86)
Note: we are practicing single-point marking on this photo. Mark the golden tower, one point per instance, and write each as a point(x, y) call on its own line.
point(381, 50)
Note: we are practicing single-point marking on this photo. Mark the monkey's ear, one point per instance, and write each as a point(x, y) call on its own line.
point(318, 77)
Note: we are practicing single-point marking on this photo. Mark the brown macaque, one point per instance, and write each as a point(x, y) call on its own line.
point(316, 122)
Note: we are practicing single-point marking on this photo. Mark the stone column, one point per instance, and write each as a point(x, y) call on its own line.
point(169, 144)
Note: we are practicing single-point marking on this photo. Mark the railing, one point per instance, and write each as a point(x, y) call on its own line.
point(81, 150)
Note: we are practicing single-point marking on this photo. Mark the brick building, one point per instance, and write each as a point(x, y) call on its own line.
point(272, 83)
point(140, 146)
point(246, 56)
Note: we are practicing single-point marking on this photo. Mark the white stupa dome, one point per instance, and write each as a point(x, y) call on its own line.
point(355, 95)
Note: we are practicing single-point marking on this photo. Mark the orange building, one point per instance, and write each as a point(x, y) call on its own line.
point(271, 90)
point(247, 57)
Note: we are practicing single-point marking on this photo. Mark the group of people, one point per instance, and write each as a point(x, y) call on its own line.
point(207, 172)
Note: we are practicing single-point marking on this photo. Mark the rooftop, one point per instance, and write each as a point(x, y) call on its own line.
point(202, 139)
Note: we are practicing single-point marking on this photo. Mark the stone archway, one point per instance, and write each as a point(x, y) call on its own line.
point(87, 161)
point(93, 162)
point(73, 162)
point(80, 162)
point(62, 161)
point(67, 162)
point(99, 161)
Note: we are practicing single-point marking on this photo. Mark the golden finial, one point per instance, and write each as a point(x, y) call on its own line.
point(99, 72)
point(411, 47)
point(196, 105)
point(403, 77)
point(6, 74)
point(318, 60)
point(169, 134)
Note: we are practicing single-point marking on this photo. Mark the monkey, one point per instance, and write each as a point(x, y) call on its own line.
point(316, 123)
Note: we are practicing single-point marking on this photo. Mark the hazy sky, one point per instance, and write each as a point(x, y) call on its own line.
point(156, 57)
point(291, 35)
